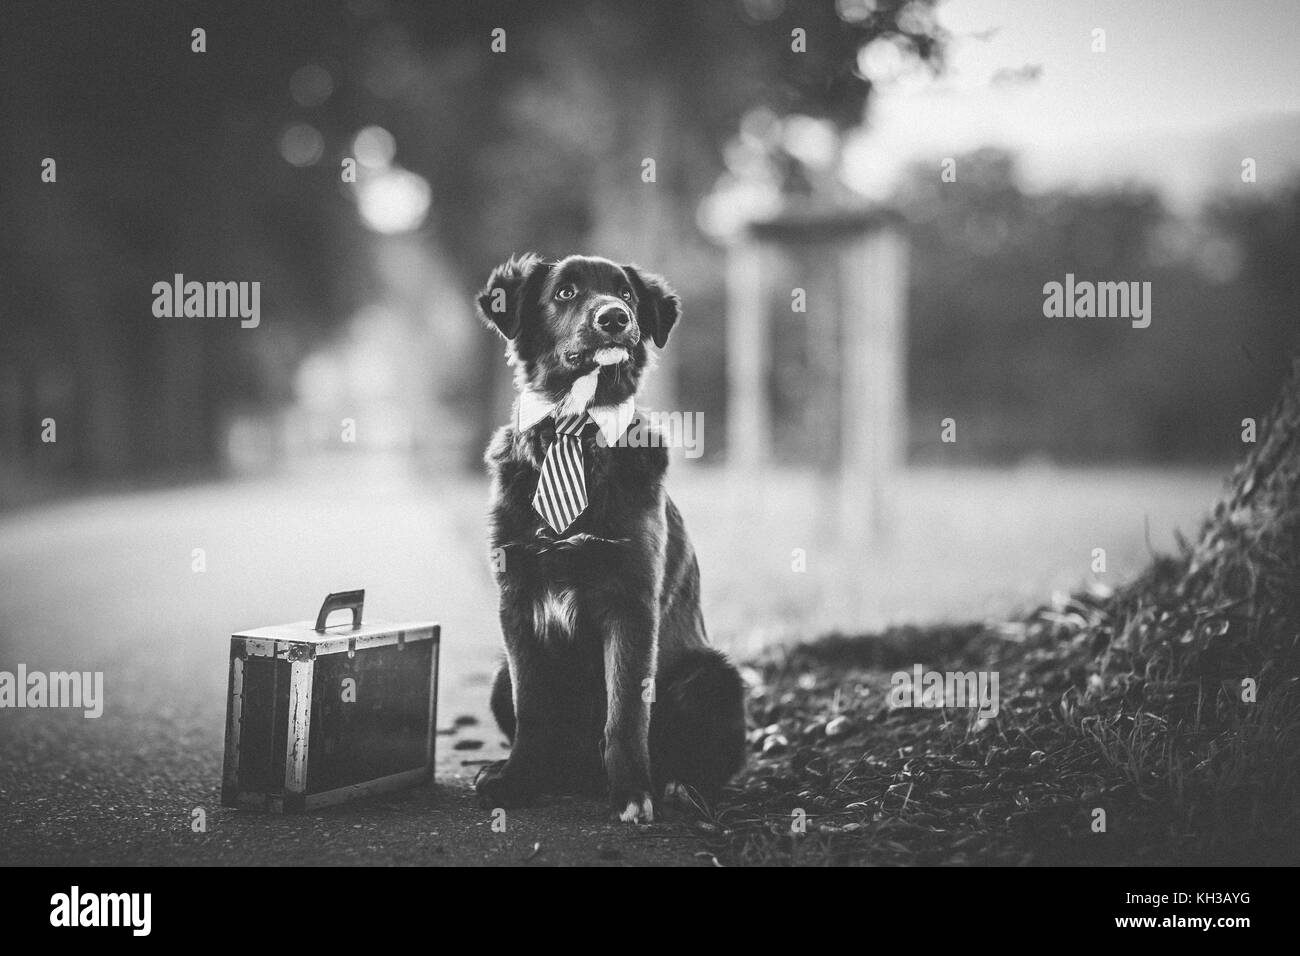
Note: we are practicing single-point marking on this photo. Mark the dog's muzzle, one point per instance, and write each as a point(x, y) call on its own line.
point(612, 319)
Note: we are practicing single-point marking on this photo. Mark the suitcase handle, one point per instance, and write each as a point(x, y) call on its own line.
point(355, 600)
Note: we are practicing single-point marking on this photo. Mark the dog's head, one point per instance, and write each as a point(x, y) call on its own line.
point(564, 319)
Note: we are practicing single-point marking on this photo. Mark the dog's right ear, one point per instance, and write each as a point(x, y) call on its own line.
point(502, 301)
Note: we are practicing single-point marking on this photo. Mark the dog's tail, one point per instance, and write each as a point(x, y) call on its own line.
point(697, 722)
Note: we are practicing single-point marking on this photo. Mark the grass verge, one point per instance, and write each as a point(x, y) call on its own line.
point(1158, 724)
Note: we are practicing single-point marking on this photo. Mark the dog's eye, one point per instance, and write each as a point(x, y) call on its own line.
point(627, 295)
point(566, 292)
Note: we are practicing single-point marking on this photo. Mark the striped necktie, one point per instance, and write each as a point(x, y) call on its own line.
point(562, 486)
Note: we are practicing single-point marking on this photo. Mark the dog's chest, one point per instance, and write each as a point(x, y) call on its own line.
point(561, 575)
point(555, 613)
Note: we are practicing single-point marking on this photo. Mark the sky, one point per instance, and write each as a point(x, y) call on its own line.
point(1182, 87)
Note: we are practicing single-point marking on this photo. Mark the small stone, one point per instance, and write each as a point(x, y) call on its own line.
point(838, 726)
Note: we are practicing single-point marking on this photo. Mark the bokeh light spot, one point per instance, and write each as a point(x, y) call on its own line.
point(395, 200)
point(311, 85)
point(302, 145)
point(374, 147)
point(855, 11)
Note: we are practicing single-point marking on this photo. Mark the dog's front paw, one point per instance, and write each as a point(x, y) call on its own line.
point(500, 785)
point(632, 806)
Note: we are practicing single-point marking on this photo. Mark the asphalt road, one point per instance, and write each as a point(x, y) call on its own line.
point(108, 584)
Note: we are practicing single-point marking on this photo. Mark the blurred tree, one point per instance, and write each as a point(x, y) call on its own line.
point(170, 161)
point(166, 163)
point(541, 146)
point(1084, 390)
point(1266, 229)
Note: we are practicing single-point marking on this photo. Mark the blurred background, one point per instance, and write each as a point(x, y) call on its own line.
point(368, 162)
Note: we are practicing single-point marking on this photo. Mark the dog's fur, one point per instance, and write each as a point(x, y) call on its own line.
point(609, 685)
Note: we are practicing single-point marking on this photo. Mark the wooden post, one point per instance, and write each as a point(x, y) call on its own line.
point(749, 420)
point(874, 402)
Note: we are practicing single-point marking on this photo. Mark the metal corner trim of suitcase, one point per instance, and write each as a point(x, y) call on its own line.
point(320, 715)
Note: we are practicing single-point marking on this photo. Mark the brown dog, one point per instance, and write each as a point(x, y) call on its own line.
point(609, 684)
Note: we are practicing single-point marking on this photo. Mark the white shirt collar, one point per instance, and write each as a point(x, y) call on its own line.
point(613, 420)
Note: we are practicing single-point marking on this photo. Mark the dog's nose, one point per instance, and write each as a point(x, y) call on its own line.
point(612, 319)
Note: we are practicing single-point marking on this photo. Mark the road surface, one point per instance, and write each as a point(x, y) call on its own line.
point(115, 584)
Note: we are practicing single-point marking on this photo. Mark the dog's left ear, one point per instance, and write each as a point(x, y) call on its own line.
point(504, 299)
point(658, 307)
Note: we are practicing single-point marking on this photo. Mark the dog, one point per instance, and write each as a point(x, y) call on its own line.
point(609, 686)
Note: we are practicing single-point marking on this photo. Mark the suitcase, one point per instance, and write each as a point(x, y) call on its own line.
point(320, 715)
